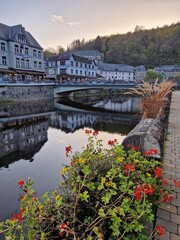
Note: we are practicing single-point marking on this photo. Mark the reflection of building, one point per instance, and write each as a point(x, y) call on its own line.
point(23, 138)
point(131, 105)
point(21, 56)
point(70, 121)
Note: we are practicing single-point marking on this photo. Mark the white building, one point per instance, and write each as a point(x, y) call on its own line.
point(115, 72)
point(21, 56)
point(120, 72)
point(69, 67)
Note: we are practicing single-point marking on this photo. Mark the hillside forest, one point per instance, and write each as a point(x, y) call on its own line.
point(151, 48)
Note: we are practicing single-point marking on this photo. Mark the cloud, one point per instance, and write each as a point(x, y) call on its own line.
point(73, 23)
point(56, 18)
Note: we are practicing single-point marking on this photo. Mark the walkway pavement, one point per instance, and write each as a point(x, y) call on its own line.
point(168, 214)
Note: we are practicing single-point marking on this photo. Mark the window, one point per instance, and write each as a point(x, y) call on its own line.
point(3, 47)
point(81, 72)
point(35, 64)
point(16, 48)
point(22, 63)
point(4, 60)
point(72, 71)
point(80, 64)
point(17, 63)
point(62, 62)
point(76, 71)
point(26, 51)
point(34, 53)
point(21, 38)
point(27, 64)
point(71, 63)
point(39, 54)
point(76, 64)
point(40, 65)
point(21, 50)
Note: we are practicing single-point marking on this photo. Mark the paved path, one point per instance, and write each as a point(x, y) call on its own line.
point(168, 215)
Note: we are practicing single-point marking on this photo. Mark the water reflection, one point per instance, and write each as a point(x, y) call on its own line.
point(33, 137)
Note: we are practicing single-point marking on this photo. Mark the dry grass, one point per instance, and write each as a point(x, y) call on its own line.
point(154, 97)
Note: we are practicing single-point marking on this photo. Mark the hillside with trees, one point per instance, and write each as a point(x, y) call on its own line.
point(154, 47)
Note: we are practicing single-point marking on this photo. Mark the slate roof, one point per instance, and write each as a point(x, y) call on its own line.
point(8, 33)
point(140, 68)
point(114, 67)
point(68, 55)
point(87, 53)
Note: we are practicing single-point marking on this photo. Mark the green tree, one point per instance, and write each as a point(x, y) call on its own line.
point(49, 52)
point(152, 75)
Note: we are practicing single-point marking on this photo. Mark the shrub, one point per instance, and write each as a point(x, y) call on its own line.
point(106, 194)
point(154, 97)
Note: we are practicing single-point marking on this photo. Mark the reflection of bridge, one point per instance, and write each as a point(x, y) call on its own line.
point(64, 88)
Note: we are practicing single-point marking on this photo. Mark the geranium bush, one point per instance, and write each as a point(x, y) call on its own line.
point(106, 194)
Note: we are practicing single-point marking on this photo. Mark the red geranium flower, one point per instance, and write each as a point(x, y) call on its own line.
point(88, 131)
point(130, 166)
point(177, 183)
point(168, 198)
point(112, 142)
point(158, 172)
point(95, 133)
point(164, 182)
point(21, 197)
point(17, 216)
point(160, 230)
point(21, 182)
point(68, 150)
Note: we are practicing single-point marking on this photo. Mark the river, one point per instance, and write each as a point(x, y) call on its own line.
point(33, 137)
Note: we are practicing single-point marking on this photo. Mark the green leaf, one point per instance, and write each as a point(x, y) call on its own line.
point(42, 236)
point(101, 213)
point(91, 186)
point(86, 170)
point(84, 196)
point(59, 202)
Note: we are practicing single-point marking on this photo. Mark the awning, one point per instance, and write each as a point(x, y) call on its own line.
point(7, 71)
point(29, 72)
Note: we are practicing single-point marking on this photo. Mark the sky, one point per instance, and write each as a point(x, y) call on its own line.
point(58, 22)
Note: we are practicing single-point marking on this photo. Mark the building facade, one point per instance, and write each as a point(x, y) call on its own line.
point(21, 56)
point(69, 67)
point(115, 72)
point(169, 71)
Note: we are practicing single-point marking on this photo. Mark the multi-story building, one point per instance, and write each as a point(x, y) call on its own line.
point(120, 72)
point(21, 56)
point(115, 72)
point(69, 67)
point(169, 71)
point(139, 73)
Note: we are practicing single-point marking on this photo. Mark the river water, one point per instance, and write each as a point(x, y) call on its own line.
point(33, 137)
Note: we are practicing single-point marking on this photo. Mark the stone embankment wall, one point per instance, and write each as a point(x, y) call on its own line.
point(148, 134)
point(24, 92)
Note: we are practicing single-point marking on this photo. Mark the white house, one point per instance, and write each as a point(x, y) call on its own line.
point(69, 67)
point(21, 56)
point(115, 72)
